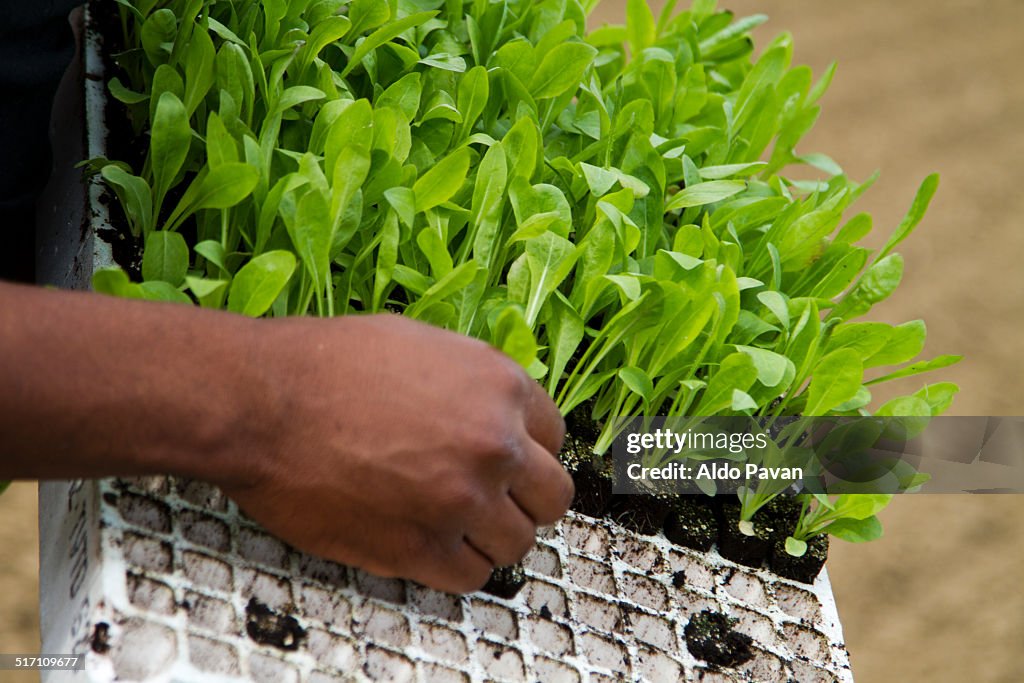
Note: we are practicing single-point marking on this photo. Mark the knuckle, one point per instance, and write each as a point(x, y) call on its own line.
point(491, 441)
point(508, 378)
point(562, 494)
point(463, 500)
point(499, 448)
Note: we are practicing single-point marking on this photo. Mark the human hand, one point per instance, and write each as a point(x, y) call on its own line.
point(397, 447)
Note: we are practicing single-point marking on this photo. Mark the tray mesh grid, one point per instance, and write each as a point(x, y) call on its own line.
point(194, 591)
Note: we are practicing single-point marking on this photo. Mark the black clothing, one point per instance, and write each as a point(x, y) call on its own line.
point(36, 46)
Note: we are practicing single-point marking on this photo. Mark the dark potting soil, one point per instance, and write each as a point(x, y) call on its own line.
point(644, 514)
point(805, 568)
point(100, 642)
point(782, 514)
point(267, 627)
point(692, 523)
point(593, 490)
point(734, 545)
point(506, 582)
point(710, 637)
point(121, 141)
point(590, 474)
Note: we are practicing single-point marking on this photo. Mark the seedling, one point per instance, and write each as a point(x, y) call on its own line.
point(851, 517)
point(612, 209)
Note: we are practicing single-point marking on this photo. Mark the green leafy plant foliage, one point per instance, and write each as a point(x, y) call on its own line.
point(610, 208)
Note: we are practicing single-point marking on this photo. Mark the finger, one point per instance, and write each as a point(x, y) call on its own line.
point(462, 569)
point(543, 421)
point(540, 485)
point(505, 534)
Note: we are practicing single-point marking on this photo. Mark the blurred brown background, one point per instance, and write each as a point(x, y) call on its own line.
point(922, 86)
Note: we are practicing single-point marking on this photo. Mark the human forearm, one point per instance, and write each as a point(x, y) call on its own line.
point(94, 386)
point(377, 441)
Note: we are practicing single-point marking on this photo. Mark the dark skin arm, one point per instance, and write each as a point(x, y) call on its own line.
point(375, 441)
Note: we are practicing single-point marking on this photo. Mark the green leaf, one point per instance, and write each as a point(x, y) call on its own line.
point(693, 95)
point(742, 401)
point(221, 148)
point(564, 331)
point(705, 193)
point(865, 338)
point(598, 179)
point(169, 142)
point(561, 70)
point(367, 14)
point(513, 336)
point(165, 257)
point(917, 368)
point(795, 547)
point(387, 257)
point(382, 35)
point(328, 31)
point(640, 26)
point(904, 342)
point(776, 303)
point(549, 259)
point(403, 201)
point(445, 62)
point(771, 367)
point(115, 282)
point(637, 381)
point(917, 210)
point(441, 182)
point(403, 95)
point(310, 226)
point(856, 530)
point(904, 406)
point(296, 95)
point(836, 379)
point(135, 197)
point(162, 291)
point(259, 282)
point(455, 281)
point(730, 170)
point(210, 293)
point(233, 74)
point(737, 371)
point(213, 252)
point(860, 505)
point(473, 93)
point(123, 94)
point(433, 247)
point(199, 58)
point(218, 188)
point(938, 396)
point(877, 284)
point(157, 35)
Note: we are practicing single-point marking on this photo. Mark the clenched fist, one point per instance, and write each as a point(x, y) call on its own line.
point(401, 448)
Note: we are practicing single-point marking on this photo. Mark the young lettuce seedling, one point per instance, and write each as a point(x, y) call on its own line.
point(850, 517)
point(612, 209)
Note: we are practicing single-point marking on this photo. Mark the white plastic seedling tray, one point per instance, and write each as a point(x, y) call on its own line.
point(164, 580)
point(180, 587)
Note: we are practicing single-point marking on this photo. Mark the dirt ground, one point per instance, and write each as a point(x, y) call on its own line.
point(922, 86)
